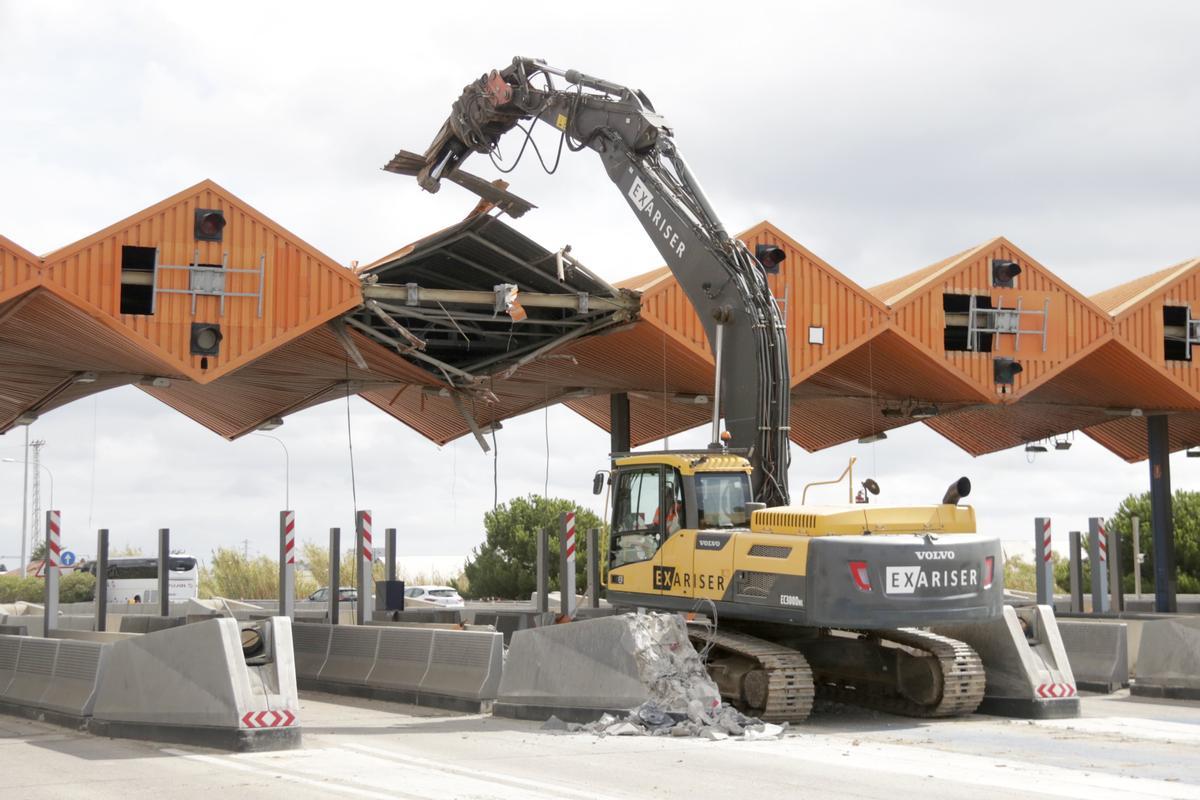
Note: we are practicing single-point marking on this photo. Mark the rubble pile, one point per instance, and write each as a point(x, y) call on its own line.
point(683, 700)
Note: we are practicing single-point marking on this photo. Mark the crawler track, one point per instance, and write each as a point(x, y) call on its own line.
point(789, 679)
point(962, 679)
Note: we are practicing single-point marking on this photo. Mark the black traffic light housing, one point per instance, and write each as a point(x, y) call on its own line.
point(770, 257)
point(206, 339)
point(210, 224)
point(1004, 370)
point(1004, 272)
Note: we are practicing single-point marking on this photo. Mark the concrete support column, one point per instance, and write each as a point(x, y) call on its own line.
point(335, 573)
point(1137, 557)
point(1043, 561)
point(618, 422)
point(1076, 570)
point(1098, 555)
point(287, 564)
point(101, 595)
point(389, 554)
point(164, 572)
point(53, 568)
point(365, 553)
point(593, 567)
point(1116, 590)
point(1162, 524)
point(543, 588)
point(566, 564)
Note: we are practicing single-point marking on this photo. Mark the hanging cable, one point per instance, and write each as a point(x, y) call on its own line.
point(546, 424)
point(92, 490)
point(350, 443)
point(495, 472)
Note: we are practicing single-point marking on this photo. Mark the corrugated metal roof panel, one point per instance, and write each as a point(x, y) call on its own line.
point(302, 287)
point(18, 268)
point(650, 418)
point(1128, 436)
point(1119, 298)
point(987, 429)
point(895, 290)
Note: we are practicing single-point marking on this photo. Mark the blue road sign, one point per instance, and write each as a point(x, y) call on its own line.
point(67, 558)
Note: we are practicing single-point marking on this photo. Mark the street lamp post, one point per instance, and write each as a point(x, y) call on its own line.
point(25, 498)
point(287, 470)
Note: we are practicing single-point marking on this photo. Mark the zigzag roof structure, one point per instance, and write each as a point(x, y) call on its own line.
point(475, 324)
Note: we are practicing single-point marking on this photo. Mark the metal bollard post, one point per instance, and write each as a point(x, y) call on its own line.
point(335, 573)
point(389, 553)
point(287, 564)
point(543, 590)
point(1137, 558)
point(164, 572)
point(566, 564)
point(593, 567)
point(366, 558)
point(1076, 571)
point(1116, 593)
point(101, 596)
point(53, 567)
point(1043, 561)
point(1098, 555)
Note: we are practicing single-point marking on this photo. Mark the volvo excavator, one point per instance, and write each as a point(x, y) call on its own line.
point(801, 599)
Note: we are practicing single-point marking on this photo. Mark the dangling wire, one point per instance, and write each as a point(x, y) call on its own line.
point(92, 490)
point(495, 472)
point(350, 443)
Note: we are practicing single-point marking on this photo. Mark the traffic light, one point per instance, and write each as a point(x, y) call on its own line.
point(206, 338)
point(1003, 272)
point(770, 257)
point(210, 224)
point(1005, 370)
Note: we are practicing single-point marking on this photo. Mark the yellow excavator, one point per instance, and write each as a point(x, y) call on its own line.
point(801, 598)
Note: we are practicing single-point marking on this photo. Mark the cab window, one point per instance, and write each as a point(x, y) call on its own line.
point(673, 493)
point(721, 499)
point(637, 516)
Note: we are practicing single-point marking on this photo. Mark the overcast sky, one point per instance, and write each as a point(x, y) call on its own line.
point(884, 136)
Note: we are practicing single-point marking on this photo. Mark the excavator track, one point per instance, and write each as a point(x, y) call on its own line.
point(789, 685)
point(962, 678)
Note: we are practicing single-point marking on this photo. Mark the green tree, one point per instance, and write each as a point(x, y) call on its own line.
point(73, 587)
point(1185, 511)
point(505, 565)
point(232, 575)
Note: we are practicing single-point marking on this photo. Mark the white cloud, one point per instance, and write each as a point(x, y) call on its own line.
point(883, 136)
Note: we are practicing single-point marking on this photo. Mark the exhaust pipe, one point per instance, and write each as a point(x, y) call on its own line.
point(957, 491)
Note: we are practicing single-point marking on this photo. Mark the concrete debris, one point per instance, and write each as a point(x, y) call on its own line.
point(669, 666)
point(554, 724)
point(723, 722)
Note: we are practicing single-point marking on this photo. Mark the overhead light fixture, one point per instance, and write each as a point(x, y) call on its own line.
point(690, 399)
point(156, 382)
point(1193, 452)
point(270, 424)
point(1035, 448)
point(28, 418)
point(770, 257)
point(1062, 444)
point(874, 437)
point(1124, 412)
point(923, 412)
point(84, 377)
point(892, 412)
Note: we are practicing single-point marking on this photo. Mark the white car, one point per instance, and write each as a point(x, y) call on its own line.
point(443, 596)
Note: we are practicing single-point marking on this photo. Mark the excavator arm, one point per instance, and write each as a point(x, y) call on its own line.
point(723, 280)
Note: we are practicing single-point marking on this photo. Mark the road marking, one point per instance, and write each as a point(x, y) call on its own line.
point(1018, 776)
point(553, 790)
point(1130, 727)
point(232, 762)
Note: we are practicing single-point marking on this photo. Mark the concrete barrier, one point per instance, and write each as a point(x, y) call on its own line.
point(576, 672)
point(143, 623)
point(10, 646)
point(1028, 675)
point(431, 667)
point(50, 675)
point(196, 684)
point(441, 615)
point(1168, 662)
point(1099, 653)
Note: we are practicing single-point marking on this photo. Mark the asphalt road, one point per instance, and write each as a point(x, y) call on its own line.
point(1120, 748)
